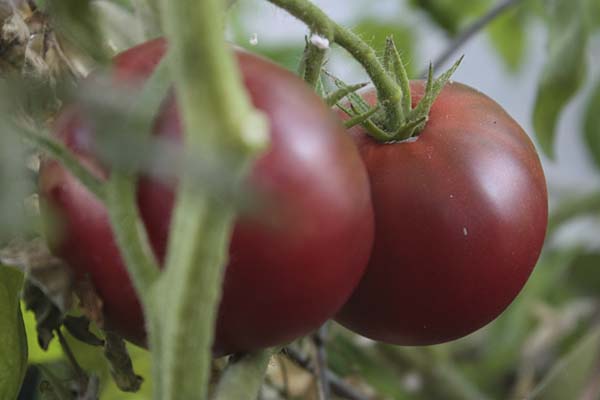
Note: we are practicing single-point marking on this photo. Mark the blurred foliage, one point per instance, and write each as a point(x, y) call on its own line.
point(450, 15)
point(545, 345)
point(592, 123)
point(13, 346)
point(508, 34)
point(565, 68)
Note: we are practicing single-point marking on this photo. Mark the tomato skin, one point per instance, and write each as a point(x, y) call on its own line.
point(291, 266)
point(460, 220)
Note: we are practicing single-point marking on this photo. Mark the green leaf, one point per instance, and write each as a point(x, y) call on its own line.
point(568, 378)
point(13, 342)
point(565, 68)
point(508, 36)
point(592, 124)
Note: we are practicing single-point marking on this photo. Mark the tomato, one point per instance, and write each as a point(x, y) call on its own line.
point(292, 264)
point(460, 219)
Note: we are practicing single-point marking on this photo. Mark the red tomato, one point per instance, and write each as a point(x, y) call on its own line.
point(460, 219)
point(291, 266)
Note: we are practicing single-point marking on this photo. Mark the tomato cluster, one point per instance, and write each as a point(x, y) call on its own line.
point(447, 227)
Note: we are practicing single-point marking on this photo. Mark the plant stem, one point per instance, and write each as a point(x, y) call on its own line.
point(312, 62)
point(59, 152)
point(130, 234)
point(219, 123)
point(498, 9)
point(318, 22)
point(243, 377)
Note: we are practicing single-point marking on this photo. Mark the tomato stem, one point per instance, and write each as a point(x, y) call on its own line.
point(318, 22)
point(312, 62)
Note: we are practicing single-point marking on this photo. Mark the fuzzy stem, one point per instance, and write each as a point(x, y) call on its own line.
point(130, 234)
point(219, 122)
point(59, 152)
point(388, 91)
point(313, 59)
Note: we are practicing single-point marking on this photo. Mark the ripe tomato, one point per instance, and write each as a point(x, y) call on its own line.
point(460, 219)
point(291, 266)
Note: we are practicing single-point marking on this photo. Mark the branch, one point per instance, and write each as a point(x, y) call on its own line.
point(498, 9)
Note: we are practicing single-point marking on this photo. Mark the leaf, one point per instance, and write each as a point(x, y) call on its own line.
point(592, 124)
point(13, 341)
point(565, 68)
point(508, 35)
point(567, 379)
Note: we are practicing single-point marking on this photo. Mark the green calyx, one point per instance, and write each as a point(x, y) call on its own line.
point(375, 120)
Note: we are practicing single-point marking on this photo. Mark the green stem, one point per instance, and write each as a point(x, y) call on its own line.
point(130, 233)
point(388, 91)
point(219, 123)
point(243, 377)
point(312, 63)
point(59, 152)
